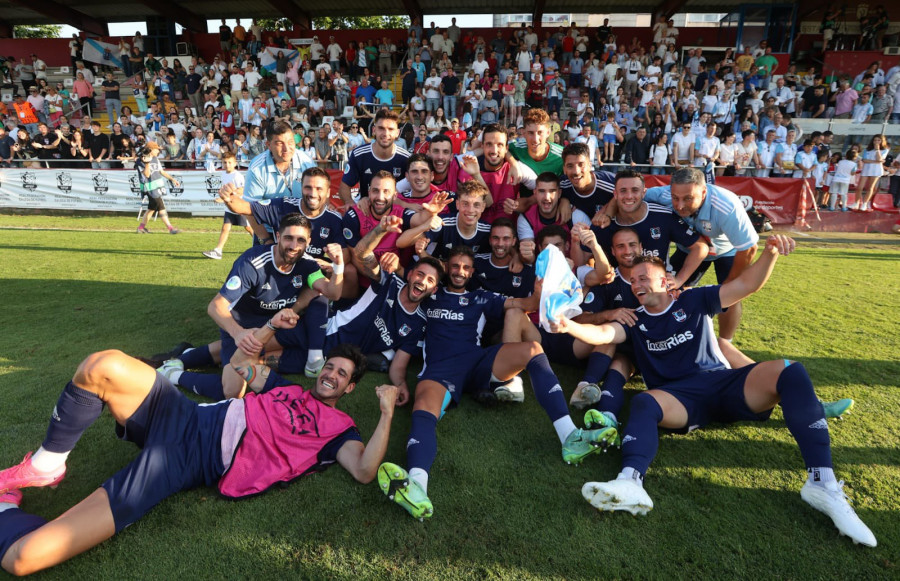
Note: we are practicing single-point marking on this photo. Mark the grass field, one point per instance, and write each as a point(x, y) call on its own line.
point(507, 507)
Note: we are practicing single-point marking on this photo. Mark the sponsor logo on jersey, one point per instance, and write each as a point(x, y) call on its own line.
point(233, 283)
point(619, 299)
point(446, 314)
point(348, 234)
point(324, 231)
point(368, 171)
point(384, 331)
point(655, 233)
point(405, 330)
point(642, 327)
point(390, 303)
point(277, 305)
point(463, 301)
point(297, 281)
point(267, 286)
point(517, 281)
point(680, 316)
point(671, 342)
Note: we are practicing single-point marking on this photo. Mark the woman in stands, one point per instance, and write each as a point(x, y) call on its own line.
point(79, 151)
point(873, 168)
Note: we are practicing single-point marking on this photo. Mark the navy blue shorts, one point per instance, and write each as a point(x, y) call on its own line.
point(288, 338)
point(559, 348)
point(722, 264)
point(235, 219)
point(715, 396)
point(181, 448)
point(464, 372)
point(293, 358)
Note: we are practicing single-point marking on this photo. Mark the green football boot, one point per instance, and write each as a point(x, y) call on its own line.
point(835, 409)
point(395, 482)
point(595, 419)
point(582, 443)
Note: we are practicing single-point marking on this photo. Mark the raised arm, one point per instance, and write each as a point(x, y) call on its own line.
point(755, 276)
point(362, 461)
point(332, 287)
point(365, 249)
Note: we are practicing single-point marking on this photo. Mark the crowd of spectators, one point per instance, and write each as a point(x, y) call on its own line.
point(649, 107)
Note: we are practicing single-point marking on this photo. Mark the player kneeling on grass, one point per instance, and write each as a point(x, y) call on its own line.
point(455, 362)
point(243, 446)
point(690, 385)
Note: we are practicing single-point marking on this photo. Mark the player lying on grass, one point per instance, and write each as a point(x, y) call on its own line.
point(241, 445)
point(690, 385)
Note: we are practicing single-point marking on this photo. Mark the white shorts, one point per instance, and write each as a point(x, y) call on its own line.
point(839, 188)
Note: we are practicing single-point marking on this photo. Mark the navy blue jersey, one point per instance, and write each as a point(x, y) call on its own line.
point(590, 204)
point(256, 289)
point(456, 321)
point(362, 165)
point(325, 228)
point(607, 297)
point(448, 235)
point(498, 279)
point(655, 231)
point(680, 341)
point(378, 322)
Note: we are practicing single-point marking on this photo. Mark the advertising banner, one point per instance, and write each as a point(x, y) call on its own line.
point(112, 190)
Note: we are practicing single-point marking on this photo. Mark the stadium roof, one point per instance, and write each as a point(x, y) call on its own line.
point(92, 15)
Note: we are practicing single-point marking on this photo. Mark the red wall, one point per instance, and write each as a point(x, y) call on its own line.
point(851, 63)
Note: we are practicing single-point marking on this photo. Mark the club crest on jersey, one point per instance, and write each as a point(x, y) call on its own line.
point(348, 234)
point(405, 330)
point(297, 281)
point(463, 301)
point(233, 283)
point(706, 225)
point(680, 316)
point(397, 171)
point(517, 281)
point(589, 297)
point(655, 233)
point(324, 231)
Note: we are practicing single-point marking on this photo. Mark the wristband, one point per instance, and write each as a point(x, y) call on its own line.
point(337, 268)
point(269, 325)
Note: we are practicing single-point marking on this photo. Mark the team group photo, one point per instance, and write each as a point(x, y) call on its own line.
point(574, 301)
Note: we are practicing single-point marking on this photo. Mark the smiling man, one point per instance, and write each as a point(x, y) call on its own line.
point(719, 215)
point(691, 385)
point(456, 362)
point(243, 446)
point(264, 280)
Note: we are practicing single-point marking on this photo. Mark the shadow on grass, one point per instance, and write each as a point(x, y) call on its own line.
point(171, 253)
point(855, 255)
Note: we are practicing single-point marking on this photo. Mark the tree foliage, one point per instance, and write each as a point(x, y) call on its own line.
point(360, 22)
point(37, 31)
